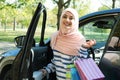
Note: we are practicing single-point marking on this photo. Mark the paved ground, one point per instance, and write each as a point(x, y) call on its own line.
point(6, 46)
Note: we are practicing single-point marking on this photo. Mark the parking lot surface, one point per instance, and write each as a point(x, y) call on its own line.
point(4, 46)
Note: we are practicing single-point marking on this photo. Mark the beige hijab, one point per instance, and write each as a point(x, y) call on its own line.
point(71, 42)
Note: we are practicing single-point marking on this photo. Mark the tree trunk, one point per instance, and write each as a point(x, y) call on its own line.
point(14, 24)
point(60, 9)
point(61, 4)
point(113, 4)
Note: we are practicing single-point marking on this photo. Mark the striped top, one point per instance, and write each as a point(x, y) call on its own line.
point(60, 63)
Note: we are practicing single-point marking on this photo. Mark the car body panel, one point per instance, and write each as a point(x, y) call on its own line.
point(99, 14)
point(103, 12)
point(12, 52)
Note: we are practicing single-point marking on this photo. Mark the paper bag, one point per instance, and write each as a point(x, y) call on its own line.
point(88, 69)
point(74, 74)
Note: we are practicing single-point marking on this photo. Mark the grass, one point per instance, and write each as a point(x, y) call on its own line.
point(9, 35)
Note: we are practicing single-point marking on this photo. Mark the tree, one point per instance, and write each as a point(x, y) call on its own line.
point(14, 12)
point(113, 3)
point(110, 4)
point(61, 5)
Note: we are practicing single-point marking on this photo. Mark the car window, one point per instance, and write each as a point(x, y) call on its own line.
point(37, 34)
point(49, 30)
point(114, 43)
point(98, 29)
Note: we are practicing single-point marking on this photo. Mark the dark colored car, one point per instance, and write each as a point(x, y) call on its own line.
point(32, 54)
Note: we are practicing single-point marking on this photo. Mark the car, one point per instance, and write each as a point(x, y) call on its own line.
point(30, 55)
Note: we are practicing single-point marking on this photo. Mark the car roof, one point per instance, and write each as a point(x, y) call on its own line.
point(110, 11)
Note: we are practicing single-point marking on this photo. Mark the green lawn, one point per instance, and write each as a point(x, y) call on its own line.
point(9, 35)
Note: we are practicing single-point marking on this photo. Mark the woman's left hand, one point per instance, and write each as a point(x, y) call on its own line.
point(89, 43)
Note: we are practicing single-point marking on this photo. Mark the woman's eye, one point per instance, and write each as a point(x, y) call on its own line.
point(71, 18)
point(65, 17)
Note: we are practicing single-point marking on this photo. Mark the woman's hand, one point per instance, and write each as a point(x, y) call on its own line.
point(89, 43)
point(44, 72)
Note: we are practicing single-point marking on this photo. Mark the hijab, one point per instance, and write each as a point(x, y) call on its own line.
point(68, 43)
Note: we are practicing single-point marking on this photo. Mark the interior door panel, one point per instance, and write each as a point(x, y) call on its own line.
point(42, 56)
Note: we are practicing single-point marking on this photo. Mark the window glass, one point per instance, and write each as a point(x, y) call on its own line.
point(114, 43)
point(37, 34)
point(98, 29)
point(49, 30)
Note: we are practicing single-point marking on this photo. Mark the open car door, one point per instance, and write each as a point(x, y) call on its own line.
point(110, 61)
point(32, 58)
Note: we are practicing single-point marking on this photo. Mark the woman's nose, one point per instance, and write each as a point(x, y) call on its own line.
point(67, 19)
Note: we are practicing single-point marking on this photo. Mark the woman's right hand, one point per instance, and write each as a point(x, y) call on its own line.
point(44, 72)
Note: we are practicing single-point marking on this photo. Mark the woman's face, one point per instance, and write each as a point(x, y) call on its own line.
point(67, 20)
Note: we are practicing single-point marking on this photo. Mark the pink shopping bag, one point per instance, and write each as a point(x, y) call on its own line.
point(88, 69)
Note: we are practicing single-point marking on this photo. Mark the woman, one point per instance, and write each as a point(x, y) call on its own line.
point(67, 43)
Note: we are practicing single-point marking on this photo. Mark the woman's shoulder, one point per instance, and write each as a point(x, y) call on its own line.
point(81, 35)
point(54, 34)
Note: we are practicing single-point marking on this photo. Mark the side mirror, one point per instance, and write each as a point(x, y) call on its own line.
point(19, 41)
point(103, 24)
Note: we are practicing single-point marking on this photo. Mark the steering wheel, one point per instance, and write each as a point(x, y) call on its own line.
point(91, 52)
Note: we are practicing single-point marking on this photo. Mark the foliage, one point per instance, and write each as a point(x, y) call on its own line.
point(21, 11)
point(9, 35)
point(83, 7)
point(61, 5)
point(103, 8)
point(109, 4)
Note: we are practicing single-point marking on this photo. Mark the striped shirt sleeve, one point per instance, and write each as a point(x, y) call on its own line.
point(83, 52)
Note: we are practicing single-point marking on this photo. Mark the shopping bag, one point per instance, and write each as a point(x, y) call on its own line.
point(72, 73)
point(88, 69)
